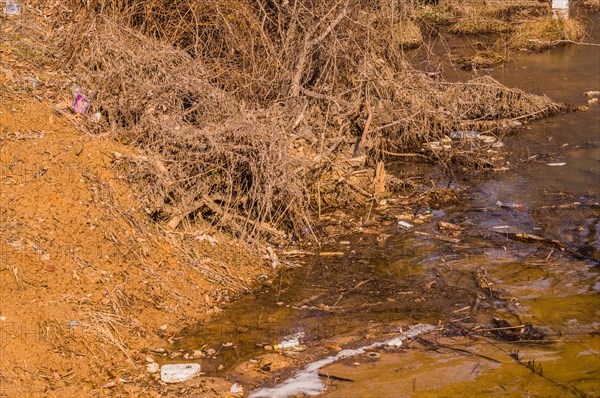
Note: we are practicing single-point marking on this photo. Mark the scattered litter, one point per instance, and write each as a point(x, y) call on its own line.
point(404, 224)
point(2, 318)
point(204, 237)
point(415, 331)
point(80, 101)
point(592, 93)
point(11, 8)
point(177, 373)
point(236, 389)
point(464, 135)
point(307, 380)
point(287, 344)
point(273, 257)
point(555, 164)
point(509, 205)
point(344, 242)
point(373, 355)
point(593, 101)
point(502, 227)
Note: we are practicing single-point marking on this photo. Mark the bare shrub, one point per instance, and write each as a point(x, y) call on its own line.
point(204, 149)
point(252, 112)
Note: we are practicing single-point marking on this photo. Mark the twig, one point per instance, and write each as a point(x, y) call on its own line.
point(363, 137)
point(439, 237)
point(405, 155)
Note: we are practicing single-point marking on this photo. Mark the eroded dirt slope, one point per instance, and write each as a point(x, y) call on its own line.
point(87, 284)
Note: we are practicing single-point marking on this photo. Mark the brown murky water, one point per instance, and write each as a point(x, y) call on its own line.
point(372, 279)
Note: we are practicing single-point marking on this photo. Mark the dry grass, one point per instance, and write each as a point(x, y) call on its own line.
point(476, 25)
point(542, 33)
point(407, 34)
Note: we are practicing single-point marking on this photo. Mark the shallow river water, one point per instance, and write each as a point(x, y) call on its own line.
point(374, 282)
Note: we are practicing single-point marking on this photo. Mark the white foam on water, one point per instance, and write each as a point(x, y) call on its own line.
point(308, 381)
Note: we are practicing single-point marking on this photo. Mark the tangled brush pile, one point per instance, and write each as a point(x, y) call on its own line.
point(251, 113)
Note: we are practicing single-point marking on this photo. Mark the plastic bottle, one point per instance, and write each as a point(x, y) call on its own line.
point(285, 344)
point(509, 205)
point(463, 135)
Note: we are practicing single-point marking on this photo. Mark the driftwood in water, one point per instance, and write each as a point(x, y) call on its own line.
point(530, 238)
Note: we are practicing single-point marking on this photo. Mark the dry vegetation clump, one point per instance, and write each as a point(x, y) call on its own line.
point(251, 112)
point(206, 153)
point(475, 25)
point(542, 33)
point(491, 16)
point(481, 59)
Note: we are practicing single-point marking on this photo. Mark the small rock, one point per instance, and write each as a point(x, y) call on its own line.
point(153, 367)
point(335, 348)
point(210, 352)
point(149, 359)
point(197, 354)
point(593, 101)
